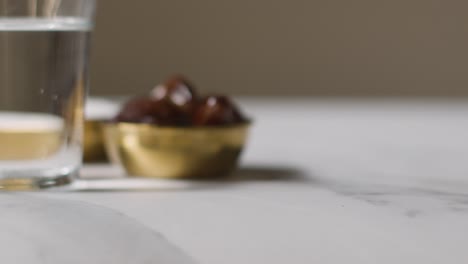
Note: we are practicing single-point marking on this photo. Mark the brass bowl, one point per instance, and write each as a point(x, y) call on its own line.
point(167, 152)
point(93, 143)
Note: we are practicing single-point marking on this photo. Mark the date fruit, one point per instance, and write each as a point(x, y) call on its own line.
point(217, 111)
point(151, 111)
point(177, 91)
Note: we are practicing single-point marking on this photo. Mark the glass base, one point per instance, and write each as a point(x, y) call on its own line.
point(22, 183)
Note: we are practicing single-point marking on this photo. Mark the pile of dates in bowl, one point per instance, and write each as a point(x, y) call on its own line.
point(173, 132)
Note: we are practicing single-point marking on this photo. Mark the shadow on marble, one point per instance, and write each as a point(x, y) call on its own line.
point(243, 175)
point(264, 173)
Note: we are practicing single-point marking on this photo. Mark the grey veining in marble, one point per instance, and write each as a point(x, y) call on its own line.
point(37, 230)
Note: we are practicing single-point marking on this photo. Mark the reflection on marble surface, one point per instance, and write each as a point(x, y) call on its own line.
point(39, 230)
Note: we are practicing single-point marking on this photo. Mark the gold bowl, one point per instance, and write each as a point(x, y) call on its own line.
point(168, 152)
point(93, 144)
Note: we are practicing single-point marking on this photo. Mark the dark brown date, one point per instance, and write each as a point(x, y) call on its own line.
point(177, 91)
point(217, 111)
point(151, 111)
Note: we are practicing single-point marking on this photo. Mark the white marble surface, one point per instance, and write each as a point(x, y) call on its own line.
point(39, 230)
point(323, 181)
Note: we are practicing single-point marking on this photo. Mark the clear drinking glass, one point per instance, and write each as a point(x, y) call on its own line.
point(44, 50)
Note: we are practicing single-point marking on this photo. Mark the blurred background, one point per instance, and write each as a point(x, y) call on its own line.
point(276, 47)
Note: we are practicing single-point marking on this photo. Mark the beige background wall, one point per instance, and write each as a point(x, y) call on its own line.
point(266, 47)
